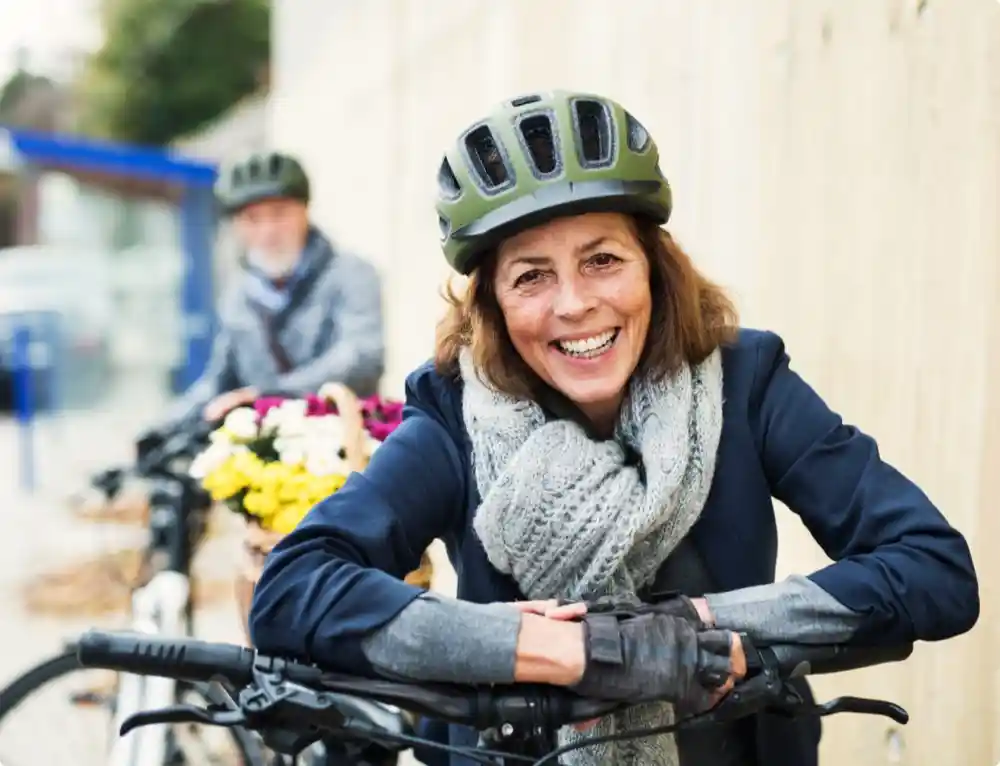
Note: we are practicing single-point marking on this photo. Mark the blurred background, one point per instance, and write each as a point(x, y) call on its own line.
point(835, 163)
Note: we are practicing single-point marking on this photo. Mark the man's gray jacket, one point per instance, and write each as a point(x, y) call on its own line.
point(326, 327)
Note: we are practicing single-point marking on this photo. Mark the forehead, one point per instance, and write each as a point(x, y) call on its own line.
point(269, 208)
point(568, 236)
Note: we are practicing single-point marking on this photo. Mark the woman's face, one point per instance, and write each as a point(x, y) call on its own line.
point(575, 297)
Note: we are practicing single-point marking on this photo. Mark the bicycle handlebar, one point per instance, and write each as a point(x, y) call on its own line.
point(194, 660)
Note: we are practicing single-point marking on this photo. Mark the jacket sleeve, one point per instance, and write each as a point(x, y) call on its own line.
point(898, 562)
point(218, 377)
point(337, 577)
point(357, 356)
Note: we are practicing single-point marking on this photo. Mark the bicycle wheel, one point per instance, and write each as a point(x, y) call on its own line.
point(61, 708)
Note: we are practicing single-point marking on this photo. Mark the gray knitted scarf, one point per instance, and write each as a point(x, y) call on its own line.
point(565, 517)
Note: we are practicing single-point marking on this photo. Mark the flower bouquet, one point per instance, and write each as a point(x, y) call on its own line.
point(273, 461)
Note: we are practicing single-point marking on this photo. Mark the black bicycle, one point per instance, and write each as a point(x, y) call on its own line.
point(162, 606)
point(294, 705)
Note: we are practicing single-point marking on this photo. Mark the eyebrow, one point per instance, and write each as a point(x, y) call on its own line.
point(541, 260)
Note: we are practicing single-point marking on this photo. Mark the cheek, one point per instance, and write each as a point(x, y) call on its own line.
point(525, 321)
point(632, 300)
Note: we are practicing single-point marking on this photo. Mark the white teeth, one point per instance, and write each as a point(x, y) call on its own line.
point(587, 346)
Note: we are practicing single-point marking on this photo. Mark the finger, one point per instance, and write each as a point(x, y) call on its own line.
point(585, 725)
point(715, 658)
point(737, 657)
point(566, 611)
point(720, 694)
point(535, 607)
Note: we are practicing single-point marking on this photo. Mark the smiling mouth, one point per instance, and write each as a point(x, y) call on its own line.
point(588, 348)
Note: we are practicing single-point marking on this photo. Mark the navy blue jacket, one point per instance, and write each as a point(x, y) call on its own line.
point(896, 559)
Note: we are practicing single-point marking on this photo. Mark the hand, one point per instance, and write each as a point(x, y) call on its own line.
point(230, 400)
point(656, 656)
point(694, 609)
point(738, 669)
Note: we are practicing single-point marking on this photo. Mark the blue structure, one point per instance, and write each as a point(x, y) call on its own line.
point(191, 180)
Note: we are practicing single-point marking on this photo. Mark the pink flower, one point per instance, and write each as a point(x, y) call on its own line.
point(381, 416)
point(264, 405)
point(315, 406)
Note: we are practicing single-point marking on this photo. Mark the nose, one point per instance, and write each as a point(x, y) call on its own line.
point(573, 300)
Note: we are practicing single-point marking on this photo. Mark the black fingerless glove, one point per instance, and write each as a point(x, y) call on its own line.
point(671, 604)
point(650, 654)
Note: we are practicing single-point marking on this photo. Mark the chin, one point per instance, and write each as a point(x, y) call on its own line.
point(590, 393)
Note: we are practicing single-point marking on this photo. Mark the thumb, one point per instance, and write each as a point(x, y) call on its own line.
point(567, 611)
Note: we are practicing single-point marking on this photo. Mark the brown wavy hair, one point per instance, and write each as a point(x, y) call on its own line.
point(691, 317)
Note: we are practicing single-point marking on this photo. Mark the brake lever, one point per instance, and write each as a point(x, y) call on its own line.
point(861, 705)
point(211, 716)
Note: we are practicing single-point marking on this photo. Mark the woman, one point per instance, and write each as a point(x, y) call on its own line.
point(596, 424)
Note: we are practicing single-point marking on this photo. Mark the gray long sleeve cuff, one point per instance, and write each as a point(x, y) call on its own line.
point(793, 610)
point(444, 639)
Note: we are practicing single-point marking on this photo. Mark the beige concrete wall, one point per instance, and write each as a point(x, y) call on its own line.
point(836, 163)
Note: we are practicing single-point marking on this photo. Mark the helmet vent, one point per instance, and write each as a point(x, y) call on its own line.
point(534, 98)
point(274, 163)
point(487, 158)
point(448, 185)
point(593, 125)
point(638, 136)
point(540, 141)
point(254, 169)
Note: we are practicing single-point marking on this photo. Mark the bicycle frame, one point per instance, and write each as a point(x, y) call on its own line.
point(159, 608)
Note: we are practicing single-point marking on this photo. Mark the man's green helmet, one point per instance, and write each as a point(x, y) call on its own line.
point(542, 156)
point(260, 176)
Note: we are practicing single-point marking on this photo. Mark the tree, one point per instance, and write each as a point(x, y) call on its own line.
point(30, 100)
point(167, 68)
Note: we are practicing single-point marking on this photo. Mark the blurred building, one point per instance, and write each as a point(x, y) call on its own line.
point(837, 165)
point(143, 221)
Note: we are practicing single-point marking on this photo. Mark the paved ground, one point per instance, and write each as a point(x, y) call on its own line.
point(40, 535)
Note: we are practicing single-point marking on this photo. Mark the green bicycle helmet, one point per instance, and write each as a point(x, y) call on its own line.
point(542, 156)
point(260, 176)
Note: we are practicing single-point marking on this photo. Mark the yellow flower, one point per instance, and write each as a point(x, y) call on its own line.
point(262, 504)
point(224, 481)
point(324, 486)
point(295, 487)
point(273, 476)
point(237, 473)
point(285, 520)
point(250, 467)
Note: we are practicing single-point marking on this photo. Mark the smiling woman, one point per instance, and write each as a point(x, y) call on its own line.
point(595, 425)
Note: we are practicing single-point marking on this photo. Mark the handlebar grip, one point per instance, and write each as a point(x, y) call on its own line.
point(795, 660)
point(183, 659)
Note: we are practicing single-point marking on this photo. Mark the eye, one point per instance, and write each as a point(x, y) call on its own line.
point(603, 260)
point(529, 277)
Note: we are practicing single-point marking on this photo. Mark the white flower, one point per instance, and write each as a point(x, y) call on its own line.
point(294, 408)
point(291, 450)
point(293, 457)
point(241, 424)
point(291, 422)
point(331, 426)
point(210, 459)
point(328, 464)
point(271, 421)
